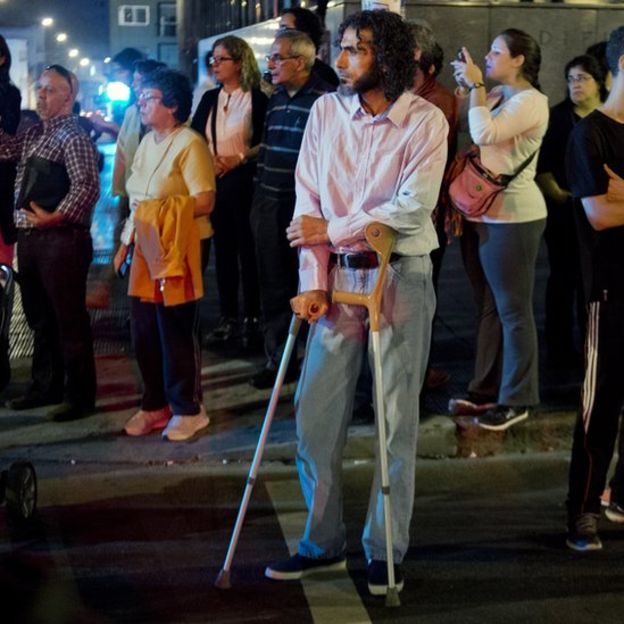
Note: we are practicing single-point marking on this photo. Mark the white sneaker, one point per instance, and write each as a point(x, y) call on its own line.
point(144, 422)
point(185, 427)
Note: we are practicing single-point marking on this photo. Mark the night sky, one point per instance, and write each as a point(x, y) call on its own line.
point(84, 21)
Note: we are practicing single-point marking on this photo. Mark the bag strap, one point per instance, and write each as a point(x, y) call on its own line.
point(509, 178)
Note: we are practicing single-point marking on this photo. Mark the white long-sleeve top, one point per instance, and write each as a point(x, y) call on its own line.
point(507, 136)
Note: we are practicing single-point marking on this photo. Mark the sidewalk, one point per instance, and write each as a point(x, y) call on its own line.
point(236, 409)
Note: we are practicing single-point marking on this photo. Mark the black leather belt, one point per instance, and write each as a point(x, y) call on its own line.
point(360, 260)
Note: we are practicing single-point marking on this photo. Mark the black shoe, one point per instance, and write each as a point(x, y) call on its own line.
point(226, 331)
point(66, 412)
point(30, 401)
point(378, 577)
point(265, 377)
point(502, 417)
point(583, 533)
point(299, 566)
point(251, 336)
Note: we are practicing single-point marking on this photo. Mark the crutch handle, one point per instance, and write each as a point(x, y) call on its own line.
point(381, 238)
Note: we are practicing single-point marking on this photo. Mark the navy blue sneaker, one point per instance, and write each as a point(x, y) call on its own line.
point(378, 577)
point(299, 566)
point(583, 533)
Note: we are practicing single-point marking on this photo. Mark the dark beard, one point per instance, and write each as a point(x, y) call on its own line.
point(367, 82)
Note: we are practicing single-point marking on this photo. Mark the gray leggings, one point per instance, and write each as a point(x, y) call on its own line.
point(500, 261)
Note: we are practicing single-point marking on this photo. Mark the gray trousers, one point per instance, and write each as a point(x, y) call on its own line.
point(324, 403)
point(500, 261)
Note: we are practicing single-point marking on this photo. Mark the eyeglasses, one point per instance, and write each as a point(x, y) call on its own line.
point(63, 73)
point(278, 58)
point(144, 98)
point(579, 78)
point(217, 60)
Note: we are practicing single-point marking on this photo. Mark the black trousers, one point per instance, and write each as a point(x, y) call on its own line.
point(564, 289)
point(277, 269)
point(597, 423)
point(167, 350)
point(233, 244)
point(53, 267)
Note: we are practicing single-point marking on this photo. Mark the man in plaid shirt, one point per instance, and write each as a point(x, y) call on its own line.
point(55, 250)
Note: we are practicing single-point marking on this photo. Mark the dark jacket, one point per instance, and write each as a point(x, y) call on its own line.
point(10, 100)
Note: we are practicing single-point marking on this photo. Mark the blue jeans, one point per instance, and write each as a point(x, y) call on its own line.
point(324, 402)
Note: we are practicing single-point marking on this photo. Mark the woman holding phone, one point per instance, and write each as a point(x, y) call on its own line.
point(500, 247)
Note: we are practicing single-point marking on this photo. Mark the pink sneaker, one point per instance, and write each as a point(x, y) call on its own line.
point(144, 422)
point(182, 428)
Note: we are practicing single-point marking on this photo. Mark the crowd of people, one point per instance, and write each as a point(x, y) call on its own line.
point(285, 177)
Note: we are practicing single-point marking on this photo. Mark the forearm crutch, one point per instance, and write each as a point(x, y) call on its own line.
point(223, 579)
point(381, 238)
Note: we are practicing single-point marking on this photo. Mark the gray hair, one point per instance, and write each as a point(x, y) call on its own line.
point(423, 36)
point(300, 45)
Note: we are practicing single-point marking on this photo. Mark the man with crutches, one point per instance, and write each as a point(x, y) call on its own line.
point(371, 153)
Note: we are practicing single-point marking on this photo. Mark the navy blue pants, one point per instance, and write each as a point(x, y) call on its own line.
point(167, 350)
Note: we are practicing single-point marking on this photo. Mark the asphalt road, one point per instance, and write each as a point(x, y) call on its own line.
point(145, 544)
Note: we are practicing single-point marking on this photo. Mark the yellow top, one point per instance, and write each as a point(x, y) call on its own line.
point(179, 165)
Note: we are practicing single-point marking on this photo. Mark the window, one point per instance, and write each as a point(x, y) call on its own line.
point(166, 19)
point(168, 53)
point(133, 15)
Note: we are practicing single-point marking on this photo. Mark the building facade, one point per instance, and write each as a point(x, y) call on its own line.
point(148, 25)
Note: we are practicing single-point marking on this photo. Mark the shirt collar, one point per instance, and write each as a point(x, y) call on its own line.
point(310, 83)
point(396, 112)
point(56, 121)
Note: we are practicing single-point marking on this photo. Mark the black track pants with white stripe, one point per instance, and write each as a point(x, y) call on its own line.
point(601, 404)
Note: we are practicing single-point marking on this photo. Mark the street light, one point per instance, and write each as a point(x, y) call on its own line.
point(73, 53)
point(61, 37)
point(46, 22)
point(84, 62)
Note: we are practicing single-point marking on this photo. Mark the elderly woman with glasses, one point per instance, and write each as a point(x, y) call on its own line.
point(171, 191)
point(231, 118)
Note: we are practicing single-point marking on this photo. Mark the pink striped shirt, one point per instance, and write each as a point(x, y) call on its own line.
point(354, 169)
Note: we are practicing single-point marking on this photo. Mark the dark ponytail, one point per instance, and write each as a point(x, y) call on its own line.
point(519, 43)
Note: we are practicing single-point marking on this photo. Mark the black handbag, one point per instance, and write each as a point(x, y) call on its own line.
point(45, 182)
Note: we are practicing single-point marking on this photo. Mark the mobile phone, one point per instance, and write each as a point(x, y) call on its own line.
point(460, 55)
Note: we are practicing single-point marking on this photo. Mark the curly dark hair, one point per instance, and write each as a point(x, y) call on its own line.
point(392, 44)
point(591, 65)
point(307, 22)
point(175, 88)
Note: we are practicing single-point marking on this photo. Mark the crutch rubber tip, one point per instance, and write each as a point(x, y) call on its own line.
point(392, 597)
point(223, 580)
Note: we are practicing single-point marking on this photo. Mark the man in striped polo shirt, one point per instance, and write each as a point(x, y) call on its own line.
point(290, 63)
